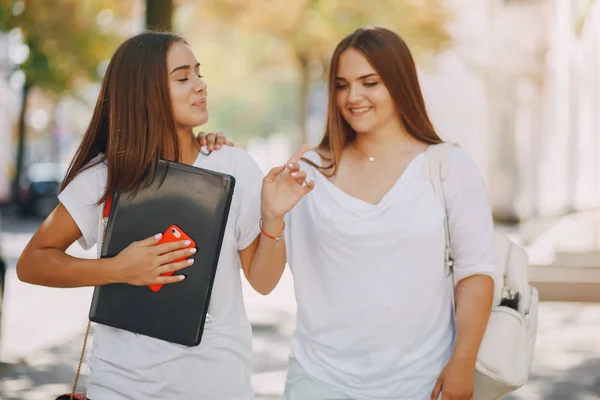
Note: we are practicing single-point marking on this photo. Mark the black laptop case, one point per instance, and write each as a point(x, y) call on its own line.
point(198, 202)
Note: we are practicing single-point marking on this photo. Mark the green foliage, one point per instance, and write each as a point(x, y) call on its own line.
point(259, 57)
point(251, 87)
point(581, 14)
point(5, 10)
point(310, 28)
point(67, 39)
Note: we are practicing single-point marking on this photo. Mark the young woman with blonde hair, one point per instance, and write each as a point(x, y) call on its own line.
point(366, 248)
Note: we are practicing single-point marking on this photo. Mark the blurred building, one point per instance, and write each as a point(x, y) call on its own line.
point(6, 145)
point(6, 121)
point(520, 91)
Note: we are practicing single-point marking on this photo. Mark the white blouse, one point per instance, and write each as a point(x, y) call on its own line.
point(374, 307)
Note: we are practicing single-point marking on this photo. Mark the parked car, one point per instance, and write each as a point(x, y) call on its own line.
point(39, 188)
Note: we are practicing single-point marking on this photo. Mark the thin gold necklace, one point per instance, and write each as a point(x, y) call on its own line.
point(370, 158)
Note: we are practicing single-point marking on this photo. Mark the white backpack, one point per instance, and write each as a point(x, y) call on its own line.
point(506, 352)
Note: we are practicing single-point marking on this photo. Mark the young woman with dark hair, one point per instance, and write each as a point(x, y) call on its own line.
point(151, 97)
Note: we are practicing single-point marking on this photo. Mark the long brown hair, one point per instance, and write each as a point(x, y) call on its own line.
point(391, 58)
point(132, 124)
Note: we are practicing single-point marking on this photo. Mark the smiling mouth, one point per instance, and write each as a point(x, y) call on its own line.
point(199, 103)
point(359, 111)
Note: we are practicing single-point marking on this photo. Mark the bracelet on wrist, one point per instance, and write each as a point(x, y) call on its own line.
point(275, 238)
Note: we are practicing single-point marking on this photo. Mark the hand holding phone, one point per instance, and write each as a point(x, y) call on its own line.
point(172, 234)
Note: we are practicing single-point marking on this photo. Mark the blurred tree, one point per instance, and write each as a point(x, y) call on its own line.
point(309, 29)
point(582, 13)
point(66, 41)
point(252, 84)
point(5, 10)
point(159, 15)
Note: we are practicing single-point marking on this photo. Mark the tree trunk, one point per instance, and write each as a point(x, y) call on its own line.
point(21, 144)
point(55, 138)
point(303, 100)
point(159, 15)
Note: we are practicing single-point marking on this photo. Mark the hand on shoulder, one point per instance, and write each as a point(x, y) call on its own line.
point(214, 141)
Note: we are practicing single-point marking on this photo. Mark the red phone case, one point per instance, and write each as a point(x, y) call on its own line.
point(170, 235)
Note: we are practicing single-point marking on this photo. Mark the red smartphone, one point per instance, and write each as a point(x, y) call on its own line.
point(172, 234)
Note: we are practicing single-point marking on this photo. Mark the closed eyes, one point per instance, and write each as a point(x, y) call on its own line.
point(185, 79)
point(341, 86)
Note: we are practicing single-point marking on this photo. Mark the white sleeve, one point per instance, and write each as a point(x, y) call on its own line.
point(469, 218)
point(80, 198)
point(248, 183)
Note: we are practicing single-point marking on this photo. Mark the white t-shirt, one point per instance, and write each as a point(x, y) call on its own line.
point(374, 308)
point(124, 365)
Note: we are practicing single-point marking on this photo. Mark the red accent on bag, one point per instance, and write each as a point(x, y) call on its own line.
point(78, 396)
point(107, 206)
point(81, 396)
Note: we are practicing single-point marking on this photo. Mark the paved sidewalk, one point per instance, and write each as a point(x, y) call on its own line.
point(567, 356)
point(50, 371)
point(566, 366)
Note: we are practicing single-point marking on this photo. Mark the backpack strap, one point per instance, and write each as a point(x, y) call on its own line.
point(435, 169)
